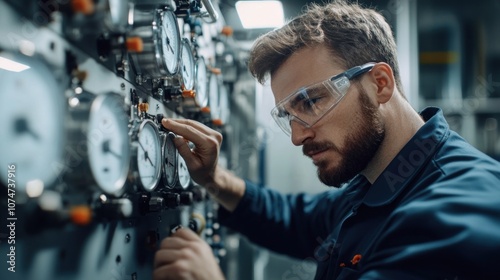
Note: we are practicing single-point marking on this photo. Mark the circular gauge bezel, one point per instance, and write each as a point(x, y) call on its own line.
point(162, 31)
point(167, 166)
point(93, 133)
point(201, 82)
point(148, 124)
point(213, 96)
point(183, 177)
point(187, 66)
point(33, 135)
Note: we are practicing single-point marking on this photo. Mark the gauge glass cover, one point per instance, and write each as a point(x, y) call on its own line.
point(213, 96)
point(170, 160)
point(170, 42)
point(187, 66)
point(108, 143)
point(224, 104)
point(183, 173)
point(201, 82)
point(149, 158)
point(32, 111)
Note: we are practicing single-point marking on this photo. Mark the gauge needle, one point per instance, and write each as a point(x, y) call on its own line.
point(21, 126)
point(185, 71)
point(146, 156)
point(169, 162)
point(107, 149)
point(168, 41)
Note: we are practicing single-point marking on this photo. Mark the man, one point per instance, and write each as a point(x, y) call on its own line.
point(415, 200)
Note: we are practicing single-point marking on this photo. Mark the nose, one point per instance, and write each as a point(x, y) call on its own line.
point(300, 133)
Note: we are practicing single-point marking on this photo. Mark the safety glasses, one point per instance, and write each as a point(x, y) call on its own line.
point(310, 104)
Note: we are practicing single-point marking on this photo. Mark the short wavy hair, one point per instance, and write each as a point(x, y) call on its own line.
point(354, 35)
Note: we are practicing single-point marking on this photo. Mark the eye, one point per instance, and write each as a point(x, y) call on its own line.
point(282, 113)
point(312, 101)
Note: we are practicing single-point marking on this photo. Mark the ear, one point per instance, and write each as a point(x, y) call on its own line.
point(383, 78)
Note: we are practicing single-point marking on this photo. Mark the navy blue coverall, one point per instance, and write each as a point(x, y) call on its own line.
point(434, 213)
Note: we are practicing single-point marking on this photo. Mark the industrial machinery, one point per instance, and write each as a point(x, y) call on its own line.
point(91, 181)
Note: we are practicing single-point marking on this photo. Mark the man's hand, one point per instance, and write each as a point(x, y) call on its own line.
point(225, 187)
point(202, 159)
point(184, 256)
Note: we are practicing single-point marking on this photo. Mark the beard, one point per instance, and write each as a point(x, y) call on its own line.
point(359, 148)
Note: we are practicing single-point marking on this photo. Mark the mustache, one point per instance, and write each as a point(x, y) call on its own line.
point(318, 146)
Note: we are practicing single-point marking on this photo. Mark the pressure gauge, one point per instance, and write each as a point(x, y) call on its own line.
point(170, 154)
point(184, 179)
point(108, 143)
point(213, 96)
point(159, 31)
point(175, 172)
point(32, 112)
point(148, 157)
point(223, 104)
point(170, 40)
point(187, 66)
point(201, 82)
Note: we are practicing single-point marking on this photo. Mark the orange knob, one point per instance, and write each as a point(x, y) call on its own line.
point(217, 122)
point(86, 7)
point(143, 107)
point(215, 70)
point(205, 110)
point(134, 44)
point(187, 93)
point(81, 215)
point(227, 30)
point(80, 75)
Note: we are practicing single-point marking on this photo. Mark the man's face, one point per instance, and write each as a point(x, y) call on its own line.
point(342, 143)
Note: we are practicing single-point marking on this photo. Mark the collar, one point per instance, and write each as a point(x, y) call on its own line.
point(410, 160)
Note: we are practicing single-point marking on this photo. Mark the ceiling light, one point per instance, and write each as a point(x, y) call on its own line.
point(11, 65)
point(260, 14)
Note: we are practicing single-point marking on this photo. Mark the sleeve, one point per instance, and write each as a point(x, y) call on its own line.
point(452, 232)
point(287, 224)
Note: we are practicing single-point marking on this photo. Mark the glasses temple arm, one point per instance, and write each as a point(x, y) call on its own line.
point(358, 70)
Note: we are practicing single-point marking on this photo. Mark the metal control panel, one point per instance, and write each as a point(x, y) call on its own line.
point(90, 181)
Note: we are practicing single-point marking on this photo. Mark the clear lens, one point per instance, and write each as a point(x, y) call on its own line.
point(308, 105)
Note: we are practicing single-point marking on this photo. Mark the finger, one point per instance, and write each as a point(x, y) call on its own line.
point(194, 131)
point(183, 147)
point(186, 235)
point(166, 256)
point(176, 123)
point(168, 272)
point(173, 242)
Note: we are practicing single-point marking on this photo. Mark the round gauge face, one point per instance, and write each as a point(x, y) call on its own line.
point(213, 96)
point(170, 41)
point(108, 143)
point(183, 173)
point(201, 82)
point(169, 161)
point(149, 158)
point(224, 104)
point(32, 110)
point(187, 66)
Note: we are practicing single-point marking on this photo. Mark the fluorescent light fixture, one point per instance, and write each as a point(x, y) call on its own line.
point(260, 14)
point(11, 65)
